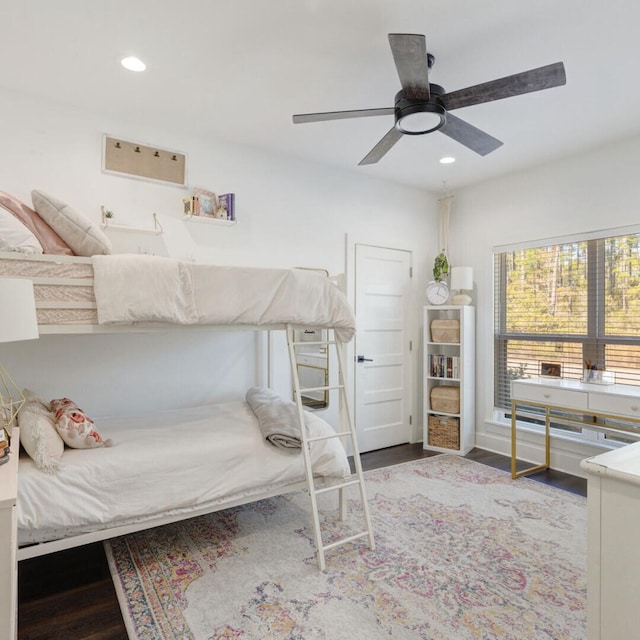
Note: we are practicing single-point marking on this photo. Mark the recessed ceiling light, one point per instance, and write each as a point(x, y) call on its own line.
point(133, 64)
point(447, 160)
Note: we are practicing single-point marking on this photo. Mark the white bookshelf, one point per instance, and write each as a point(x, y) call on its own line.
point(450, 364)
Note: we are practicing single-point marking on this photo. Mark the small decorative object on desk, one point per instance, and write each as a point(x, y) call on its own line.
point(551, 369)
point(596, 375)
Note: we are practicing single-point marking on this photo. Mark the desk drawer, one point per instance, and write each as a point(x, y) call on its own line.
point(547, 395)
point(619, 405)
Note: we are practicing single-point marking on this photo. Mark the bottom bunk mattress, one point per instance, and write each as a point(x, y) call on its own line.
point(165, 464)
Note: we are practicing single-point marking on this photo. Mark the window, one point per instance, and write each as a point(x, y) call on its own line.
point(565, 304)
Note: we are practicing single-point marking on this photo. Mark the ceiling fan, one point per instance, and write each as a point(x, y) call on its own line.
point(423, 107)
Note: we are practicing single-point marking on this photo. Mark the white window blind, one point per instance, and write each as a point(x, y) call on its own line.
point(562, 306)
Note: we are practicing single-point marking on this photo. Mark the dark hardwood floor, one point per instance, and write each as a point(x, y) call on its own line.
point(69, 595)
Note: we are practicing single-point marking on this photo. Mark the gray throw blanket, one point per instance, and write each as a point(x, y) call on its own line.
point(277, 418)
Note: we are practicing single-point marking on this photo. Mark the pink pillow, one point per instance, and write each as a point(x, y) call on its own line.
point(75, 427)
point(51, 242)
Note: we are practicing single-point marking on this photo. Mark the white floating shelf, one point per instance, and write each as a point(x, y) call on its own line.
point(218, 221)
point(121, 227)
point(156, 230)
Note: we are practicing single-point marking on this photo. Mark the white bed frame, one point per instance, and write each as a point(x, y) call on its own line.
point(44, 548)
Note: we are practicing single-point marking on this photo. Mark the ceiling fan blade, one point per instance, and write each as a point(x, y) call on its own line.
point(468, 135)
point(410, 55)
point(552, 75)
point(341, 115)
point(389, 139)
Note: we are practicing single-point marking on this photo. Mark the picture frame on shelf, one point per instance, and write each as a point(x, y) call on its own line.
point(550, 370)
point(207, 202)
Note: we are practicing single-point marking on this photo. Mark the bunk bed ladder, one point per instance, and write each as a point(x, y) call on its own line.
point(346, 429)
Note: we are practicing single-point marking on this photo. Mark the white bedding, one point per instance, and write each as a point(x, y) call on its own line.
point(164, 464)
point(139, 288)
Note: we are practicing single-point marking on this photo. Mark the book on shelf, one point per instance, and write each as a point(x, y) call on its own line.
point(4, 454)
point(227, 202)
point(441, 366)
point(4, 438)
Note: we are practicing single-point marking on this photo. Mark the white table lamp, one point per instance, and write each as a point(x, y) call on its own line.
point(461, 281)
point(18, 321)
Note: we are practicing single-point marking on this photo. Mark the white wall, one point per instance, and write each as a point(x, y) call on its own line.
point(597, 190)
point(290, 213)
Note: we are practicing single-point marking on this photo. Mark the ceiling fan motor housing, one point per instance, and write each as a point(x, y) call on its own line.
point(416, 116)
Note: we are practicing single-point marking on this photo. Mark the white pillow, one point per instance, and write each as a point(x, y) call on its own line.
point(15, 236)
point(83, 236)
point(38, 434)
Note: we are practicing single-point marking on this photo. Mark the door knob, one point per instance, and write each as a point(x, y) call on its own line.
point(363, 359)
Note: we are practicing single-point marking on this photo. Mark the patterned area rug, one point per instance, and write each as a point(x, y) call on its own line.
point(462, 552)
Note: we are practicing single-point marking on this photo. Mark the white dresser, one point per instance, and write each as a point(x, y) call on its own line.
point(613, 543)
point(8, 543)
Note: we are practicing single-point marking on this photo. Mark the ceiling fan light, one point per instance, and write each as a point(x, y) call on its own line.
point(132, 63)
point(420, 118)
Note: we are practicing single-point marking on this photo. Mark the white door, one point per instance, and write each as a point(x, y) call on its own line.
point(382, 346)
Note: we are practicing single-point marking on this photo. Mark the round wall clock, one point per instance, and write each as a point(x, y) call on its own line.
point(437, 292)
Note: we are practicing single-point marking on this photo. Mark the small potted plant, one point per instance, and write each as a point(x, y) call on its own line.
point(107, 216)
point(440, 267)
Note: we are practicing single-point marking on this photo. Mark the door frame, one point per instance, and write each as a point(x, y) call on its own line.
point(351, 241)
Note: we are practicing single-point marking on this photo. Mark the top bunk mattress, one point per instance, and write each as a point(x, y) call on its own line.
point(168, 463)
point(105, 293)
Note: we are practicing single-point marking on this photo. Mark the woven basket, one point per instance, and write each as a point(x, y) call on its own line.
point(444, 432)
point(445, 331)
point(445, 399)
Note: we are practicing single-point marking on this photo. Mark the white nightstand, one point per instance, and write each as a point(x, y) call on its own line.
point(9, 543)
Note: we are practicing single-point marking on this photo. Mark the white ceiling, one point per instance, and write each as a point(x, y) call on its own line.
point(239, 69)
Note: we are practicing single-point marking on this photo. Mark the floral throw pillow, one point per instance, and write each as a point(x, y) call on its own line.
point(75, 427)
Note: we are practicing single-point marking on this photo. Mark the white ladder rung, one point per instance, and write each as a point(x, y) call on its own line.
point(333, 487)
point(327, 388)
point(315, 343)
point(337, 543)
point(337, 434)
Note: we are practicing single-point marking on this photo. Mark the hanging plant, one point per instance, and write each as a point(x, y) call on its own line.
point(440, 267)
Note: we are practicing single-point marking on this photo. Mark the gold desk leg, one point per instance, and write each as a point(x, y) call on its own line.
point(547, 438)
point(513, 440)
point(547, 445)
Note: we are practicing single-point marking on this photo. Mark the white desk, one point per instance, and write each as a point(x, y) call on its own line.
point(587, 402)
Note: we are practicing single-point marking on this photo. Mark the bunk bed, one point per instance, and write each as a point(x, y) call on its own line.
point(107, 293)
point(174, 465)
